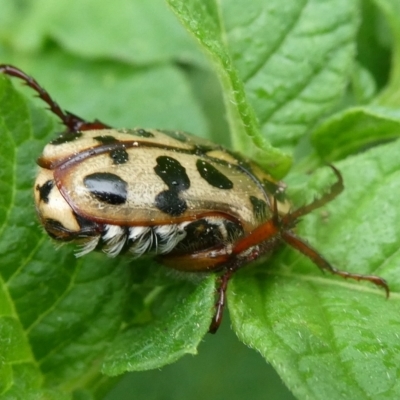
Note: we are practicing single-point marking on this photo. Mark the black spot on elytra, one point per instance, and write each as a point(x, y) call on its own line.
point(119, 156)
point(212, 176)
point(45, 190)
point(172, 173)
point(137, 132)
point(66, 137)
point(107, 187)
point(259, 208)
point(201, 149)
point(169, 202)
point(105, 139)
point(175, 177)
point(143, 133)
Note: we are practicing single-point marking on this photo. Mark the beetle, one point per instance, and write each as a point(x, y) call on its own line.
point(195, 205)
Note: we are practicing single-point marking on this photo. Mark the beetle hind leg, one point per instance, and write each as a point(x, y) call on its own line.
point(304, 248)
point(71, 121)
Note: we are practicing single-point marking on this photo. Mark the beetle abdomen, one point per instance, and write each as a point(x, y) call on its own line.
point(175, 239)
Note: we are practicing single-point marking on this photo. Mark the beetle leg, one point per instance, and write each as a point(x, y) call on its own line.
point(221, 300)
point(263, 233)
point(76, 123)
point(71, 121)
point(337, 188)
point(233, 264)
point(277, 224)
point(303, 247)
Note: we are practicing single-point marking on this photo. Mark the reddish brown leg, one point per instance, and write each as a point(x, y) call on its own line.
point(266, 236)
point(220, 304)
point(334, 191)
point(276, 224)
point(298, 244)
point(262, 233)
point(71, 121)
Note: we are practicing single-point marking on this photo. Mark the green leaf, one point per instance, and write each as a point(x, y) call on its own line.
point(292, 78)
point(120, 95)
point(176, 333)
point(20, 371)
point(374, 43)
point(132, 31)
point(203, 19)
point(391, 95)
point(365, 127)
point(328, 337)
point(363, 85)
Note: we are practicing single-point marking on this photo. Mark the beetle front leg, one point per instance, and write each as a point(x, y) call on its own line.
point(71, 121)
